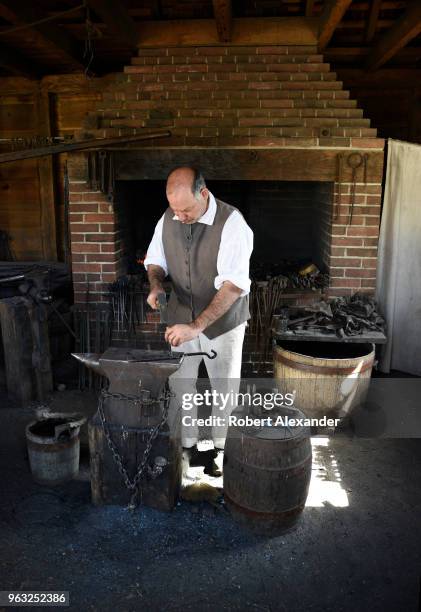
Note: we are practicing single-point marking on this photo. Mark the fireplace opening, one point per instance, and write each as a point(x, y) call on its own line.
point(291, 221)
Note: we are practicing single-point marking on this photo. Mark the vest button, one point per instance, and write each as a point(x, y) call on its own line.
point(187, 286)
point(187, 262)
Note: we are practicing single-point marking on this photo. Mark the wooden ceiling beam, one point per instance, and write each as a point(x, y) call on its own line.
point(25, 11)
point(373, 18)
point(117, 19)
point(398, 36)
point(332, 14)
point(222, 11)
point(15, 63)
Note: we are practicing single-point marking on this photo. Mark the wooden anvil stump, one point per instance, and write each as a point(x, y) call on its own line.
point(129, 411)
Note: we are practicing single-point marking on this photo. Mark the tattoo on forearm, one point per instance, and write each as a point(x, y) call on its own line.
point(221, 303)
point(156, 276)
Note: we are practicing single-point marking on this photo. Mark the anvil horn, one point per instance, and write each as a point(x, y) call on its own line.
point(91, 361)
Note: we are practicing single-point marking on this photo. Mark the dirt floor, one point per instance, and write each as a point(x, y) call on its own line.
point(356, 548)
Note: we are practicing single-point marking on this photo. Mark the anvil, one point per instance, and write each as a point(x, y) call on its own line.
point(131, 371)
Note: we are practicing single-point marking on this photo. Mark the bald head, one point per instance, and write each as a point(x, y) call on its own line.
point(187, 194)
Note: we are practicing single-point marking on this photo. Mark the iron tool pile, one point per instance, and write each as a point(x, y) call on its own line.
point(269, 285)
point(342, 317)
point(291, 274)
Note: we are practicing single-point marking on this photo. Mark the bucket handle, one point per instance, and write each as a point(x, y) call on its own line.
point(58, 430)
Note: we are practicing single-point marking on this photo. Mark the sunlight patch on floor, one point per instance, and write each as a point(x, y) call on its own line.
point(326, 485)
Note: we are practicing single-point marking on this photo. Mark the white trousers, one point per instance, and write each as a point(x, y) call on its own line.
point(224, 374)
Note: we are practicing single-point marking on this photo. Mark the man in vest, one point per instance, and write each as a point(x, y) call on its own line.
point(204, 246)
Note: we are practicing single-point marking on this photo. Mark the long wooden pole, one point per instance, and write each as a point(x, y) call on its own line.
point(95, 143)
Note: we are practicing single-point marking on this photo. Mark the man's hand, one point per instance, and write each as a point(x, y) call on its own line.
point(152, 298)
point(179, 333)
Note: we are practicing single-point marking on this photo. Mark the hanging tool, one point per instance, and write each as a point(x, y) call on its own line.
point(340, 161)
point(102, 171)
point(354, 161)
point(111, 177)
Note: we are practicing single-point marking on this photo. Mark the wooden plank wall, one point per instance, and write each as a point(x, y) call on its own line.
point(32, 191)
point(20, 203)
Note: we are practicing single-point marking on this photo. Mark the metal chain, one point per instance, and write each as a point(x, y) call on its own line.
point(132, 484)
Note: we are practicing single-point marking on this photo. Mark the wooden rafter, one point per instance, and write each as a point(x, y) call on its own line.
point(222, 11)
point(405, 29)
point(117, 19)
point(332, 14)
point(372, 20)
point(309, 8)
point(25, 11)
point(14, 62)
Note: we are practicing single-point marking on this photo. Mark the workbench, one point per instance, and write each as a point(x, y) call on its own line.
point(312, 336)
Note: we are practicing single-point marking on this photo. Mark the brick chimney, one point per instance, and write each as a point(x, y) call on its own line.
point(281, 104)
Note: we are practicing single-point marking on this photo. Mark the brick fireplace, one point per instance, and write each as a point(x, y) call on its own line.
point(245, 115)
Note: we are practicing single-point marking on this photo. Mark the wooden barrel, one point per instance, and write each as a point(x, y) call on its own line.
point(267, 473)
point(327, 378)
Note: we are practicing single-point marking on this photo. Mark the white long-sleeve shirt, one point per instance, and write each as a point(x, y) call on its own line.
point(236, 246)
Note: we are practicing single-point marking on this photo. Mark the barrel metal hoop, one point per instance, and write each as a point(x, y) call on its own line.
point(315, 369)
point(264, 515)
point(289, 471)
point(52, 448)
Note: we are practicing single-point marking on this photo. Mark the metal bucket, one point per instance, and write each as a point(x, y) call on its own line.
point(54, 448)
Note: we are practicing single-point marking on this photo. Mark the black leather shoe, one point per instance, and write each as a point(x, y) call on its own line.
point(215, 467)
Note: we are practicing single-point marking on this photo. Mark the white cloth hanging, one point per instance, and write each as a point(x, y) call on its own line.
point(399, 259)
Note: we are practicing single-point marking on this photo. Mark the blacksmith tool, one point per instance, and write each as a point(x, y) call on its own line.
point(162, 306)
point(354, 161)
point(339, 159)
point(102, 171)
point(94, 170)
point(111, 178)
point(163, 312)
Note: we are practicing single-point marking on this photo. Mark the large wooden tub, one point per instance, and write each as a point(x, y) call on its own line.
point(327, 378)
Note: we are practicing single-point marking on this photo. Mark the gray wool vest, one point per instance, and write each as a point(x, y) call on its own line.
point(191, 252)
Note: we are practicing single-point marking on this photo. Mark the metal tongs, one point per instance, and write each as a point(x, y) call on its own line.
point(172, 356)
point(163, 312)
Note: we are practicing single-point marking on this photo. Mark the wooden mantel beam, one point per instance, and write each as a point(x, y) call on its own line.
point(25, 11)
point(245, 31)
point(398, 36)
point(332, 14)
point(222, 11)
point(117, 19)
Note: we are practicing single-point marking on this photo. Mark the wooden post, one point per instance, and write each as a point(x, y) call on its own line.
point(17, 344)
point(46, 181)
point(41, 358)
